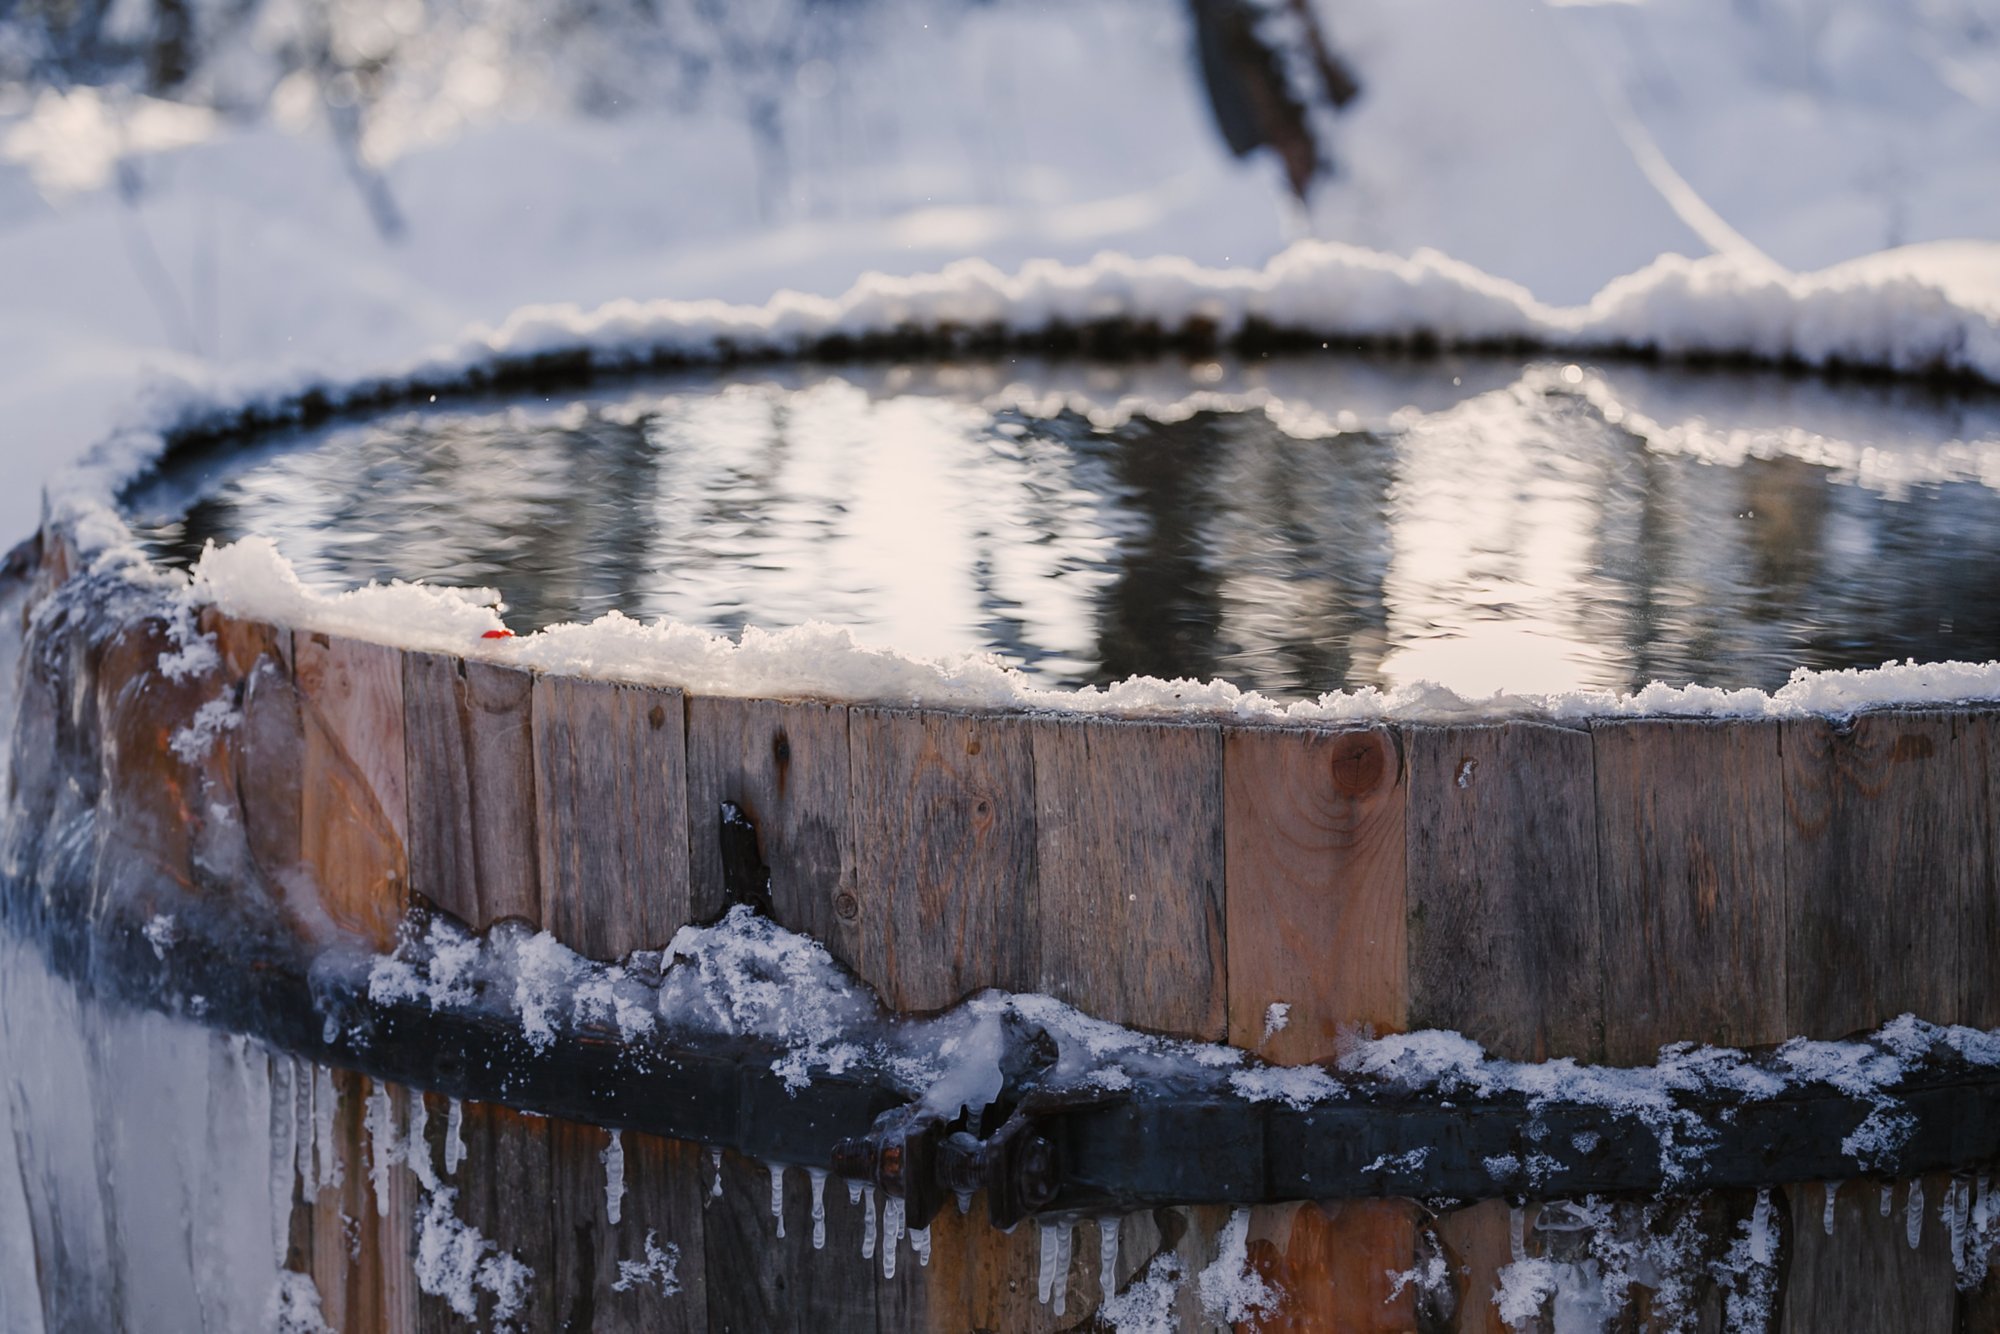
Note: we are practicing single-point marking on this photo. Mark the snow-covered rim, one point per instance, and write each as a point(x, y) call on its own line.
point(1716, 307)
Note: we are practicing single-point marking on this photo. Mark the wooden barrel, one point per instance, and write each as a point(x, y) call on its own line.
point(1590, 890)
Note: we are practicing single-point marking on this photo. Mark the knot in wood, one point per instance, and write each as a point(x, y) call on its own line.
point(1358, 765)
point(846, 907)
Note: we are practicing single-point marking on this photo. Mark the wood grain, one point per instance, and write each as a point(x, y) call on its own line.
point(664, 1193)
point(1333, 1265)
point(1866, 1276)
point(354, 792)
point(1477, 1242)
point(504, 1190)
point(1981, 932)
point(1128, 821)
point(944, 835)
point(470, 740)
point(361, 1260)
point(1690, 840)
point(981, 1278)
point(786, 766)
point(1504, 937)
point(611, 817)
point(1889, 864)
point(1314, 832)
point(759, 1284)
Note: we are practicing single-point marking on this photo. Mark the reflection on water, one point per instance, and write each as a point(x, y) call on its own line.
point(1293, 526)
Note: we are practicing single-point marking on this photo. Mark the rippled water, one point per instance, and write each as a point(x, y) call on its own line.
point(1293, 525)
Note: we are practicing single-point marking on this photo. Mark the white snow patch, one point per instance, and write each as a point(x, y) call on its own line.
point(658, 1268)
point(193, 741)
point(1230, 1290)
point(456, 1262)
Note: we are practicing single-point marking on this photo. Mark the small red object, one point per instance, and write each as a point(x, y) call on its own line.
point(498, 634)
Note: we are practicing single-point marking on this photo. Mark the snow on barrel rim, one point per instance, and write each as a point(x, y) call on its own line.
point(1715, 307)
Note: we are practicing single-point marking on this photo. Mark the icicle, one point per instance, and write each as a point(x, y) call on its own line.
point(1982, 1203)
point(1888, 1197)
point(1517, 1232)
point(964, 1202)
point(417, 1144)
point(302, 1129)
point(715, 1161)
point(1955, 1211)
point(1913, 1213)
point(868, 1222)
point(854, 1192)
point(454, 1137)
point(1826, 1214)
point(1045, 1281)
point(1107, 1257)
point(284, 1122)
point(778, 1197)
point(381, 1144)
point(614, 1177)
point(892, 1233)
point(1065, 1238)
point(326, 1106)
point(817, 1175)
point(920, 1241)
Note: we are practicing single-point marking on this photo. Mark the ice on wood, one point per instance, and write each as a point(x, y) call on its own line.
point(818, 1175)
point(614, 1179)
point(454, 1137)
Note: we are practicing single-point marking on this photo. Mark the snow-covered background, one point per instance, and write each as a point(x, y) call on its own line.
point(339, 184)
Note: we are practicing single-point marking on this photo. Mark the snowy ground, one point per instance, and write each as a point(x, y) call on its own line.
point(1555, 146)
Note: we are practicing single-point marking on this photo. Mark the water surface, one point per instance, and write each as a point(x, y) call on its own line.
point(1294, 526)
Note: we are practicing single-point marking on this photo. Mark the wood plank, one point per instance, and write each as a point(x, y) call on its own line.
point(1981, 932)
point(786, 766)
point(503, 1189)
point(944, 836)
point(1332, 1265)
point(1128, 821)
point(146, 834)
point(1504, 937)
point(757, 1283)
point(1477, 1243)
point(268, 767)
point(1690, 843)
point(981, 1278)
point(1888, 858)
point(1866, 1275)
point(660, 1214)
point(360, 1259)
point(354, 815)
point(1313, 828)
point(261, 759)
point(469, 735)
point(611, 818)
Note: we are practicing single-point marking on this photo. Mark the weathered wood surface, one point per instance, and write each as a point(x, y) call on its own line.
point(610, 814)
point(757, 1283)
point(1333, 1265)
point(786, 766)
point(505, 1189)
point(1691, 850)
point(1314, 827)
point(945, 884)
point(1128, 822)
point(1504, 928)
point(1889, 865)
point(361, 1259)
point(1866, 1275)
point(354, 789)
point(660, 1214)
point(473, 816)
